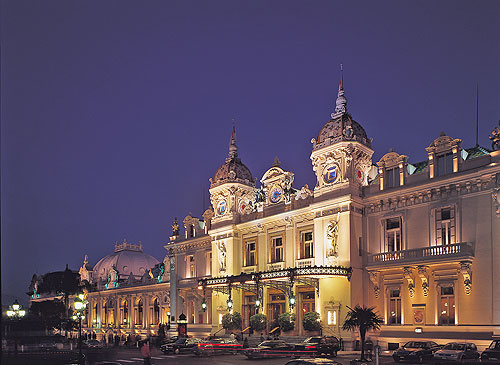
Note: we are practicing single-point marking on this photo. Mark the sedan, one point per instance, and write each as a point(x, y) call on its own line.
point(458, 352)
point(492, 353)
point(217, 346)
point(274, 348)
point(181, 345)
point(416, 351)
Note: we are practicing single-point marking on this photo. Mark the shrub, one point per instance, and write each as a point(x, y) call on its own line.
point(286, 321)
point(311, 321)
point(237, 321)
point(232, 321)
point(227, 322)
point(258, 322)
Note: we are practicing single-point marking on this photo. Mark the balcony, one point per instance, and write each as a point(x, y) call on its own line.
point(442, 253)
point(275, 266)
point(249, 269)
point(304, 262)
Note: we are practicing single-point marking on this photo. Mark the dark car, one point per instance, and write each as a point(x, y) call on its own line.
point(492, 353)
point(457, 352)
point(317, 345)
point(416, 351)
point(318, 361)
point(272, 348)
point(217, 346)
point(181, 345)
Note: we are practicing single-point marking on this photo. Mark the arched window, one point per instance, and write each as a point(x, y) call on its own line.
point(94, 313)
point(140, 311)
point(104, 313)
point(156, 312)
point(125, 312)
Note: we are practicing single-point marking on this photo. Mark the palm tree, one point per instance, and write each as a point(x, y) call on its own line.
point(364, 319)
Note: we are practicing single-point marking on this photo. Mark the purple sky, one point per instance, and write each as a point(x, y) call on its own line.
point(116, 113)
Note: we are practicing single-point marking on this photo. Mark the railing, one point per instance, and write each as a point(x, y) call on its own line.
point(455, 250)
point(276, 266)
point(249, 269)
point(304, 262)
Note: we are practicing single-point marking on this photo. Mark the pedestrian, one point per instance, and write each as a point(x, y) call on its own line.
point(261, 337)
point(245, 343)
point(232, 336)
point(146, 353)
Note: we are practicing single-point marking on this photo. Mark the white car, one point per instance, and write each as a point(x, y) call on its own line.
point(457, 351)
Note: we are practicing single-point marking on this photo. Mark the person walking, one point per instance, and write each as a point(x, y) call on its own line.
point(146, 353)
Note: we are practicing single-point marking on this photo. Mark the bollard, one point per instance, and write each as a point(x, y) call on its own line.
point(378, 351)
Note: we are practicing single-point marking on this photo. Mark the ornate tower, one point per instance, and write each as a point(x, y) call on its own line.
point(342, 152)
point(233, 188)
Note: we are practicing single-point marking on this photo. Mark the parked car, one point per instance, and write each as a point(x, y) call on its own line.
point(315, 361)
point(416, 351)
point(492, 353)
point(317, 345)
point(92, 344)
point(273, 348)
point(457, 351)
point(181, 345)
point(217, 346)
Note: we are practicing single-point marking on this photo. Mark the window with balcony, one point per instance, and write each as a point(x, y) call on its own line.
point(277, 249)
point(156, 312)
point(394, 314)
point(393, 234)
point(250, 253)
point(139, 312)
point(447, 306)
point(445, 226)
point(444, 164)
point(392, 177)
point(306, 248)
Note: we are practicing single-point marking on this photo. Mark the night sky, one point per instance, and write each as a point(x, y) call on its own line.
point(114, 114)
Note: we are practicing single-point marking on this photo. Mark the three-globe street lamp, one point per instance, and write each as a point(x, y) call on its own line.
point(80, 304)
point(15, 311)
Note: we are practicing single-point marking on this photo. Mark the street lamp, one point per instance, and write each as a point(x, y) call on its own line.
point(16, 312)
point(257, 305)
point(291, 301)
point(80, 304)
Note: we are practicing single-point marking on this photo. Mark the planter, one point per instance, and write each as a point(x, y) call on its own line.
point(312, 333)
point(293, 332)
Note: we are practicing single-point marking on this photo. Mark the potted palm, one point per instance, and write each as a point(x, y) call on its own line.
point(362, 319)
point(311, 323)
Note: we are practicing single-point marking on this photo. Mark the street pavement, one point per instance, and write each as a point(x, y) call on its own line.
point(133, 356)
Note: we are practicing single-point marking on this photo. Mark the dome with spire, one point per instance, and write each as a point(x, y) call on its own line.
point(232, 170)
point(341, 126)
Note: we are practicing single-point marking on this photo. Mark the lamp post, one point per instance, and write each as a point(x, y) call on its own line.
point(16, 312)
point(80, 304)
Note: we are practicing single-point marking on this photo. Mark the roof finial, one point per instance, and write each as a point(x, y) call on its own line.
point(341, 102)
point(233, 149)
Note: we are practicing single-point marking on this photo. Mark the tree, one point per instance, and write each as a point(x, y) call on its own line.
point(286, 321)
point(258, 322)
point(311, 321)
point(364, 319)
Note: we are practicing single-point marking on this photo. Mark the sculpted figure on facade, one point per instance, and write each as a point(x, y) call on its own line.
point(495, 138)
point(221, 246)
point(332, 233)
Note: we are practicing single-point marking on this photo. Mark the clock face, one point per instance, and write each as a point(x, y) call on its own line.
point(276, 194)
point(243, 206)
point(331, 173)
point(359, 174)
point(221, 207)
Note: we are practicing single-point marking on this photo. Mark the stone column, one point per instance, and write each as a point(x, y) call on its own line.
point(173, 293)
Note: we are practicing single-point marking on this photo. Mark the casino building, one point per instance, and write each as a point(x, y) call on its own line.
point(419, 241)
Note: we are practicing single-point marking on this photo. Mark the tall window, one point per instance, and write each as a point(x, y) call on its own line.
point(444, 164)
point(306, 249)
point(392, 177)
point(125, 312)
point(140, 311)
point(393, 234)
point(191, 266)
point(104, 315)
point(156, 312)
point(394, 306)
point(445, 226)
point(447, 306)
point(250, 253)
point(277, 249)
